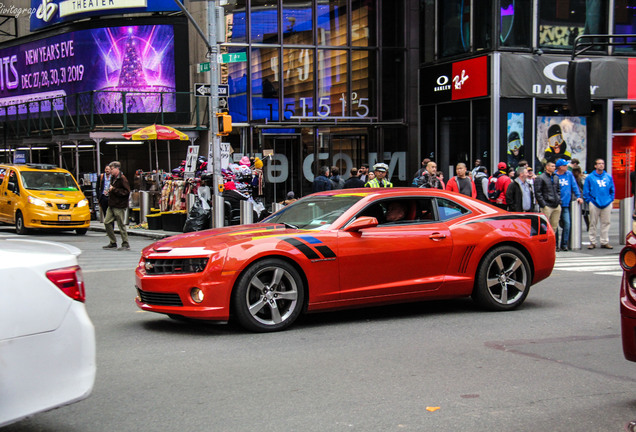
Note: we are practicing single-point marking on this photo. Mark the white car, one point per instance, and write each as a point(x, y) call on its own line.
point(47, 340)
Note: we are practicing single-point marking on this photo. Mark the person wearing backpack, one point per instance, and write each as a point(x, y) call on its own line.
point(498, 186)
point(481, 184)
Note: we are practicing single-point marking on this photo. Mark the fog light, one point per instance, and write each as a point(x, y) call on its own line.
point(197, 295)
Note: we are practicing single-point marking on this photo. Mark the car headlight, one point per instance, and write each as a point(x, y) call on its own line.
point(36, 201)
point(82, 203)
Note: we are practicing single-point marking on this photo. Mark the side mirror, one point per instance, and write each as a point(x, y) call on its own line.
point(362, 223)
point(13, 187)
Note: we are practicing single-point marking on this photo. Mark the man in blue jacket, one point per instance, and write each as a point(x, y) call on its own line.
point(322, 182)
point(569, 188)
point(598, 191)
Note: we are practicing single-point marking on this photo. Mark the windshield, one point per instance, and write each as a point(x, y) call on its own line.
point(314, 212)
point(50, 181)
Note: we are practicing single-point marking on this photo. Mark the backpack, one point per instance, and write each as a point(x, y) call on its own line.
point(493, 193)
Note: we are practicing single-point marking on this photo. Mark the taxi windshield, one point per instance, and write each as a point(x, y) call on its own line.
point(48, 181)
point(314, 212)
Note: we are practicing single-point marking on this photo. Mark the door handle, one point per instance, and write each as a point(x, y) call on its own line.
point(437, 236)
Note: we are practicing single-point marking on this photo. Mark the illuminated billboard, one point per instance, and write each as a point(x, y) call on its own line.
point(139, 60)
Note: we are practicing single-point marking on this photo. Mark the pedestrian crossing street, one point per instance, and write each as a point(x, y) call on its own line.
point(577, 262)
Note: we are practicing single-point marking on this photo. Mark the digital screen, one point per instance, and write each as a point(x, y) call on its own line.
point(139, 60)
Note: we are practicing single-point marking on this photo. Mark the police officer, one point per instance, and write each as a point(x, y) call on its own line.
point(380, 170)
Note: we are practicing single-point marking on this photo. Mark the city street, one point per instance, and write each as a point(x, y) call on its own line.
point(556, 364)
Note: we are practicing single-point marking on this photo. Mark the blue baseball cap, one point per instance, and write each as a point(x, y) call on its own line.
point(561, 162)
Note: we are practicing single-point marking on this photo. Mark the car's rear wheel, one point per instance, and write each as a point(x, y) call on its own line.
point(19, 224)
point(268, 296)
point(503, 279)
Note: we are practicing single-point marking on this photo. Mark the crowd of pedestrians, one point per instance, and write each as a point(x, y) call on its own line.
point(514, 189)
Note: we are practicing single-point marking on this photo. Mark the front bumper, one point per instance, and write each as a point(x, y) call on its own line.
point(40, 217)
point(170, 294)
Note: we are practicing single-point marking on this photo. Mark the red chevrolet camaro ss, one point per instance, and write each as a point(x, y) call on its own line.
point(348, 248)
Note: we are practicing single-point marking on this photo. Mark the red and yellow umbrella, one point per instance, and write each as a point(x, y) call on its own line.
point(156, 132)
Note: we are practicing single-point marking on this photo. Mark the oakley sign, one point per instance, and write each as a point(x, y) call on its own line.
point(455, 81)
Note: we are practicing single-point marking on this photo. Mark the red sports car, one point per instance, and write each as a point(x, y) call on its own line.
point(628, 296)
point(348, 248)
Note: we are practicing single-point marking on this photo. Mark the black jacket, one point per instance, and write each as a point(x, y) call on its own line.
point(118, 196)
point(514, 197)
point(547, 190)
point(353, 182)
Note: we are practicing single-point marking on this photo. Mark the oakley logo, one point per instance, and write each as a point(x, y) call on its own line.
point(442, 83)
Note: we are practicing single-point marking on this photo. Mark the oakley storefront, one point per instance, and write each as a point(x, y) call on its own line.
point(321, 83)
point(523, 107)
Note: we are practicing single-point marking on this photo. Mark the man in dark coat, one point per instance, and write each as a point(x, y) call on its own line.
point(354, 181)
point(322, 182)
point(520, 194)
point(118, 195)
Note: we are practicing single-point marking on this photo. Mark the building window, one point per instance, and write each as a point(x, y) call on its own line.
point(483, 26)
point(625, 22)
point(363, 23)
point(454, 25)
point(236, 22)
point(297, 25)
point(362, 98)
point(332, 83)
point(264, 21)
point(298, 79)
point(265, 78)
point(332, 22)
point(561, 21)
point(237, 83)
point(515, 23)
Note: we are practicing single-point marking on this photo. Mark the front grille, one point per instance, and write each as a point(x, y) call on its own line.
point(62, 223)
point(159, 299)
point(64, 206)
point(175, 266)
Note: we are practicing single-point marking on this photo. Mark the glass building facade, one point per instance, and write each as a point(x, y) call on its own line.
point(323, 84)
point(528, 44)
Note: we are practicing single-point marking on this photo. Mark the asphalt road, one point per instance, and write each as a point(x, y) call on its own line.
point(554, 365)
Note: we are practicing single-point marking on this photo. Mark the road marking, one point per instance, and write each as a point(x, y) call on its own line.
point(604, 265)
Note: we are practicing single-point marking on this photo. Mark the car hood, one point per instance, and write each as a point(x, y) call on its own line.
point(213, 240)
point(58, 196)
point(13, 245)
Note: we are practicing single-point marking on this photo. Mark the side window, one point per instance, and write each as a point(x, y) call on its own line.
point(3, 171)
point(449, 209)
point(401, 211)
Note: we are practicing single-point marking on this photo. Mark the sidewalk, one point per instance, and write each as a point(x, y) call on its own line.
point(613, 236)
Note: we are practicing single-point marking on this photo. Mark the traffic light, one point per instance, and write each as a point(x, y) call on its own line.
point(578, 87)
point(225, 123)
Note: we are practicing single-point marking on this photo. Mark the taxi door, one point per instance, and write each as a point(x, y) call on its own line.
point(4, 209)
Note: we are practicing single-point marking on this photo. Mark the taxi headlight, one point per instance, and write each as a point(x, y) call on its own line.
point(36, 201)
point(82, 203)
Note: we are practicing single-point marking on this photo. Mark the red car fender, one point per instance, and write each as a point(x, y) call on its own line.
point(319, 272)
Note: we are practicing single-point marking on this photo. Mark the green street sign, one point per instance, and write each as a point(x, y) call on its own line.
point(233, 57)
point(203, 67)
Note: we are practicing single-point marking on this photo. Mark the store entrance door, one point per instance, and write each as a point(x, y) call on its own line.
point(347, 151)
point(283, 172)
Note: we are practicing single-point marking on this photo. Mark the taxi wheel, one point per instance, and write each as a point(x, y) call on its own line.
point(81, 231)
point(269, 296)
point(19, 224)
point(503, 279)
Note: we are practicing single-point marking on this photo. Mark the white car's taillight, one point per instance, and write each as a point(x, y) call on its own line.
point(70, 281)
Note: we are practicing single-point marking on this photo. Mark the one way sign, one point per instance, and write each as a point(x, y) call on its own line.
point(203, 90)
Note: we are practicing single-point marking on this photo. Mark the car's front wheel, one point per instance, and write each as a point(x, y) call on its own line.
point(268, 296)
point(503, 279)
point(81, 231)
point(19, 224)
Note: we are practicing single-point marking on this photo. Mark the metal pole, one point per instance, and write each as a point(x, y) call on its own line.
point(214, 140)
point(575, 231)
point(625, 218)
point(247, 212)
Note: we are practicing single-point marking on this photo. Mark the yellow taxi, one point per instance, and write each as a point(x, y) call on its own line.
point(42, 196)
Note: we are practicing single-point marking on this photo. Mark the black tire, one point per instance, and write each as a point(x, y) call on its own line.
point(81, 231)
point(503, 279)
point(268, 296)
point(20, 229)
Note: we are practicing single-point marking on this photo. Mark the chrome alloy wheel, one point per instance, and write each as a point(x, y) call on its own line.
point(506, 278)
point(271, 295)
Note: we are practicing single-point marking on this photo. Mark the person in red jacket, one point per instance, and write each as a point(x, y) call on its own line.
point(461, 183)
point(503, 181)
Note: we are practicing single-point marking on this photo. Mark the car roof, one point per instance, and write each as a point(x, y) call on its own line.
point(34, 167)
